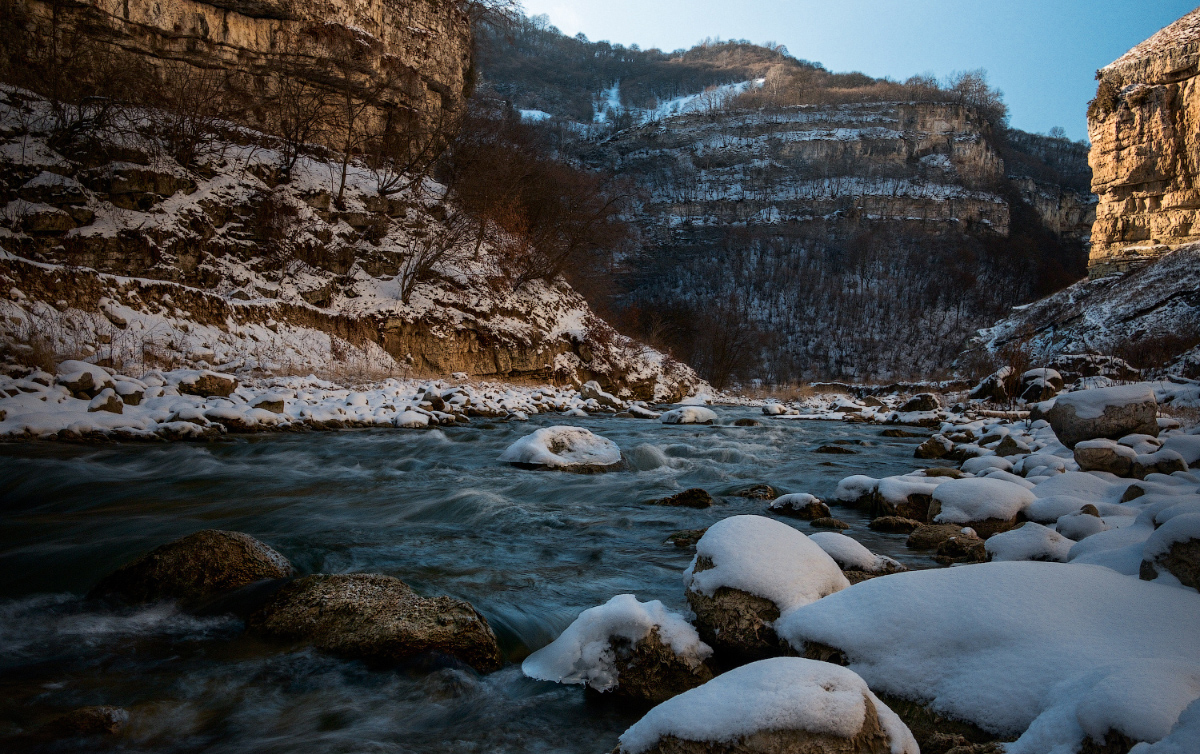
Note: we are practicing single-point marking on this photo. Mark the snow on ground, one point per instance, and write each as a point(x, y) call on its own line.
point(583, 654)
point(766, 558)
point(1049, 652)
point(563, 448)
point(780, 694)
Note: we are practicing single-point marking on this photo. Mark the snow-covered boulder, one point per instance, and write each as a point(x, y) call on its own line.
point(1051, 654)
point(690, 415)
point(920, 403)
point(784, 704)
point(1110, 412)
point(748, 571)
point(774, 409)
point(633, 649)
point(412, 420)
point(800, 505)
point(1105, 455)
point(1174, 549)
point(1029, 541)
point(988, 506)
point(856, 561)
point(83, 379)
point(564, 448)
point(592, 391)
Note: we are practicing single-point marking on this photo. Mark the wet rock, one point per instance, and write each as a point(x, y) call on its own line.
point(650, 671)
point(86, 721)
point(921, 402)
point(830, 523)
point(1104, 413)
point(686, 537)
point(934, 448)
point(930, 536)
point(747, 423)
point(194, 569)
point(835, 449)
point(693, 498)
point(735, 622)
point(961, 548)
point(895, 524)
point(900, 433)
point(757, 492)
point(944, 471)
point(378, 619)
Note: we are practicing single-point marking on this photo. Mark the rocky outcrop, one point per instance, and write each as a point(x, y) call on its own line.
point(195, 569)
point(408, 57)
point(378, 619)
point(1145, 130)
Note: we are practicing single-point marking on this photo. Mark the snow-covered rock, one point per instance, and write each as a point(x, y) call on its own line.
point(564, 448)
point(1050, 653)
point(986, 505)
point(780, 704)
point(749, 570)
point(636, 649)
point(1030, 541)
point(690, 415)
point(1111, 412)
point(1174, 549)
point(850, 555)
point(800, 505)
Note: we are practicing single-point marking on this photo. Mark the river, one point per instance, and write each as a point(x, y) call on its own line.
point(530, 549)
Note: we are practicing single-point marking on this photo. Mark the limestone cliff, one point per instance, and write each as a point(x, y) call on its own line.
point(1145, 130)
point(409, 57)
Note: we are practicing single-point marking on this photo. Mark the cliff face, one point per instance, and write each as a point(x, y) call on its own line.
point(410, 57)
point(921, 163)
point(1145, 130)
point(850, 241)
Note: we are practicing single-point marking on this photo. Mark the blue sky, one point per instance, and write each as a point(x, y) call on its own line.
point(1043, 54)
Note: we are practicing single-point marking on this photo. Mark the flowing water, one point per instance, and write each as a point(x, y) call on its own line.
point(530, 549)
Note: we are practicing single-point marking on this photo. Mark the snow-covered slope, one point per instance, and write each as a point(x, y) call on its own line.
point(141, 262)
point(1156, 303)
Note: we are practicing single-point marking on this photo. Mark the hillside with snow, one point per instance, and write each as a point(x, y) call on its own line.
point(141, 262)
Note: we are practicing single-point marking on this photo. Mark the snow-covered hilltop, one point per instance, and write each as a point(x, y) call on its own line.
point(139, 263)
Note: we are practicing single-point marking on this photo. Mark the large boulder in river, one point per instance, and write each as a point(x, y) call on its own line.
point(564, 449)
point(1111, 412)
point(749, 570)
point(631, 649)
point(784, 704)
point(378, 619)
point(195, 569)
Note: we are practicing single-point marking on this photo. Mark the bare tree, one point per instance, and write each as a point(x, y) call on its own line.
point(444, 244)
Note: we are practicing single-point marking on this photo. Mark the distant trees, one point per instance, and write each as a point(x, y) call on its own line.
point(544, 216)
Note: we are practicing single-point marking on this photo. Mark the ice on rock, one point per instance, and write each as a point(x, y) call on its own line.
point(1049, 652)
point(780, 694)
point(563, 447)
point(766, 558)
point(963, 501)
point(690, 415)
point(1029, 542)
point(851, 555)
point(583, 653)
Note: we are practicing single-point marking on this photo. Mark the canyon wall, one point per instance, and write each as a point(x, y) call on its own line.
point(410, 58)
point(1145, 130)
